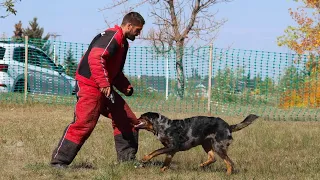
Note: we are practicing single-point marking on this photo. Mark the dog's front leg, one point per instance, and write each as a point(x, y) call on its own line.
point(155, 153)
point(167, 161)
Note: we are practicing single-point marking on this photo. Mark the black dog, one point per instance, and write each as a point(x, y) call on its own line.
point(213, 133)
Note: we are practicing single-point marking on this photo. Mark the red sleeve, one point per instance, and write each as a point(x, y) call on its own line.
point(122, 83)
point(104, 48)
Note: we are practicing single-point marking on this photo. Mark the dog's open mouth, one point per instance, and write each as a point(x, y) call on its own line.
point(141, 125)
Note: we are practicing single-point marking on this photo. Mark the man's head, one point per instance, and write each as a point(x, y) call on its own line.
point(132, 25)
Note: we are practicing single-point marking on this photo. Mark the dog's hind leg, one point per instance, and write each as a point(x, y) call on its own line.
point(210, 160)
point(207, 146)
point(223, 154)
point(167, 161)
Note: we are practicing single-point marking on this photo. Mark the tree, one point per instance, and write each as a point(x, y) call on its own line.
point(18, 32)
point(177, 23)
point(305, 37)
point(292, 79)
point(8, 5)
point(305, 40)
point(70, 64)
point(224, 80)
point(193, 81)
point(266, 86)
point(35, 33)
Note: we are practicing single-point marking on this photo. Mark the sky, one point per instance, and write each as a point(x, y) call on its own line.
point(251, 25)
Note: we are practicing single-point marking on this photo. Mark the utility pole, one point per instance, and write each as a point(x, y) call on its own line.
point(54, 35)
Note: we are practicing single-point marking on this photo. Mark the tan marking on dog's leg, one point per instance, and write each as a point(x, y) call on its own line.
point(210, 160)
point(167, 162)
point(207, 147)
point(164, 168)
point(229, 166)
point(146, 158)
point(229, 163)
point(155, 153)
point(223, 154)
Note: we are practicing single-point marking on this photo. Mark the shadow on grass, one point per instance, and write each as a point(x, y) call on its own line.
point(150, 163)
point(211, 168)
point(176, 166)
point(41, 166)
point(83, 165)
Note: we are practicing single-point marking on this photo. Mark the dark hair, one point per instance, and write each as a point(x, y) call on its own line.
point(134, 18)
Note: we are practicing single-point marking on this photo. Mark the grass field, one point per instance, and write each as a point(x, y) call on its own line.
point(264, 150)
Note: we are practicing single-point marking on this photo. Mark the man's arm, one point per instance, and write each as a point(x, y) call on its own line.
point(123, 84)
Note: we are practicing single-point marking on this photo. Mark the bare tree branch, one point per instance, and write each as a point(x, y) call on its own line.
point(116, 3)
point(136, 5)
point(161, 18)
point(179, 20)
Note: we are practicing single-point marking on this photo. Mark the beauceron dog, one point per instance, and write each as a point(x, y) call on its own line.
point(212, 133)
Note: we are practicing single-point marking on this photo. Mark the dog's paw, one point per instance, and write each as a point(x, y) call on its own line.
point(229, 171)
point(164, 168)
point(145, 159)
point(207, 163)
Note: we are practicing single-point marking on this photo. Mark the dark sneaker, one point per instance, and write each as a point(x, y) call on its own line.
point(59, 166)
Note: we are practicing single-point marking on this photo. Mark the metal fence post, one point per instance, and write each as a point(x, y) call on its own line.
point(210, 78)
point(26, 69)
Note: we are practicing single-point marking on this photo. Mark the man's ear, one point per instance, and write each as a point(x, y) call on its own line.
point(129, 26)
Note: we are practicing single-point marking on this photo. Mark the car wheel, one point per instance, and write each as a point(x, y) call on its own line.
point(19, 87)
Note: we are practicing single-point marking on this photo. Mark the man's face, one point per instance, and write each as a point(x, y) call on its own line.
point(133, 31)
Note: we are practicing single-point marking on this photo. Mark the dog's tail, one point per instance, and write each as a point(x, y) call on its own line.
point(246, 122)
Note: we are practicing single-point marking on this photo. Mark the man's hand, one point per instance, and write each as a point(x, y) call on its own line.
point(106, 91)
point(129, 92)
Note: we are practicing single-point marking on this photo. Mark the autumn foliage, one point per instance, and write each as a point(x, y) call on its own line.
point(304, 38)
point(307, 96)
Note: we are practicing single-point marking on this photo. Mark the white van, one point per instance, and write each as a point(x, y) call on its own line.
point(44, 76)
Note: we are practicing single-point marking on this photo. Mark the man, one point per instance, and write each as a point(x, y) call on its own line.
point(99, 70)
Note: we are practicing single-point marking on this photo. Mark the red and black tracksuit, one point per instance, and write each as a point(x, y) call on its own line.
point(101, 66)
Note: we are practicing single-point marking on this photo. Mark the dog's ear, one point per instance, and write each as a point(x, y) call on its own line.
point(147, 120)
point(152, 116)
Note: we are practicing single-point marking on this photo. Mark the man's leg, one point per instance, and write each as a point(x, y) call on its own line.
point(125, 136)
point(86, 115)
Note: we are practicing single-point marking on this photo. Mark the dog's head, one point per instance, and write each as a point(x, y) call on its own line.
point(150, 119)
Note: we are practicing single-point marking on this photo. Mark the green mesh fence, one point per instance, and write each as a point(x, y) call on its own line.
point(278, 86)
